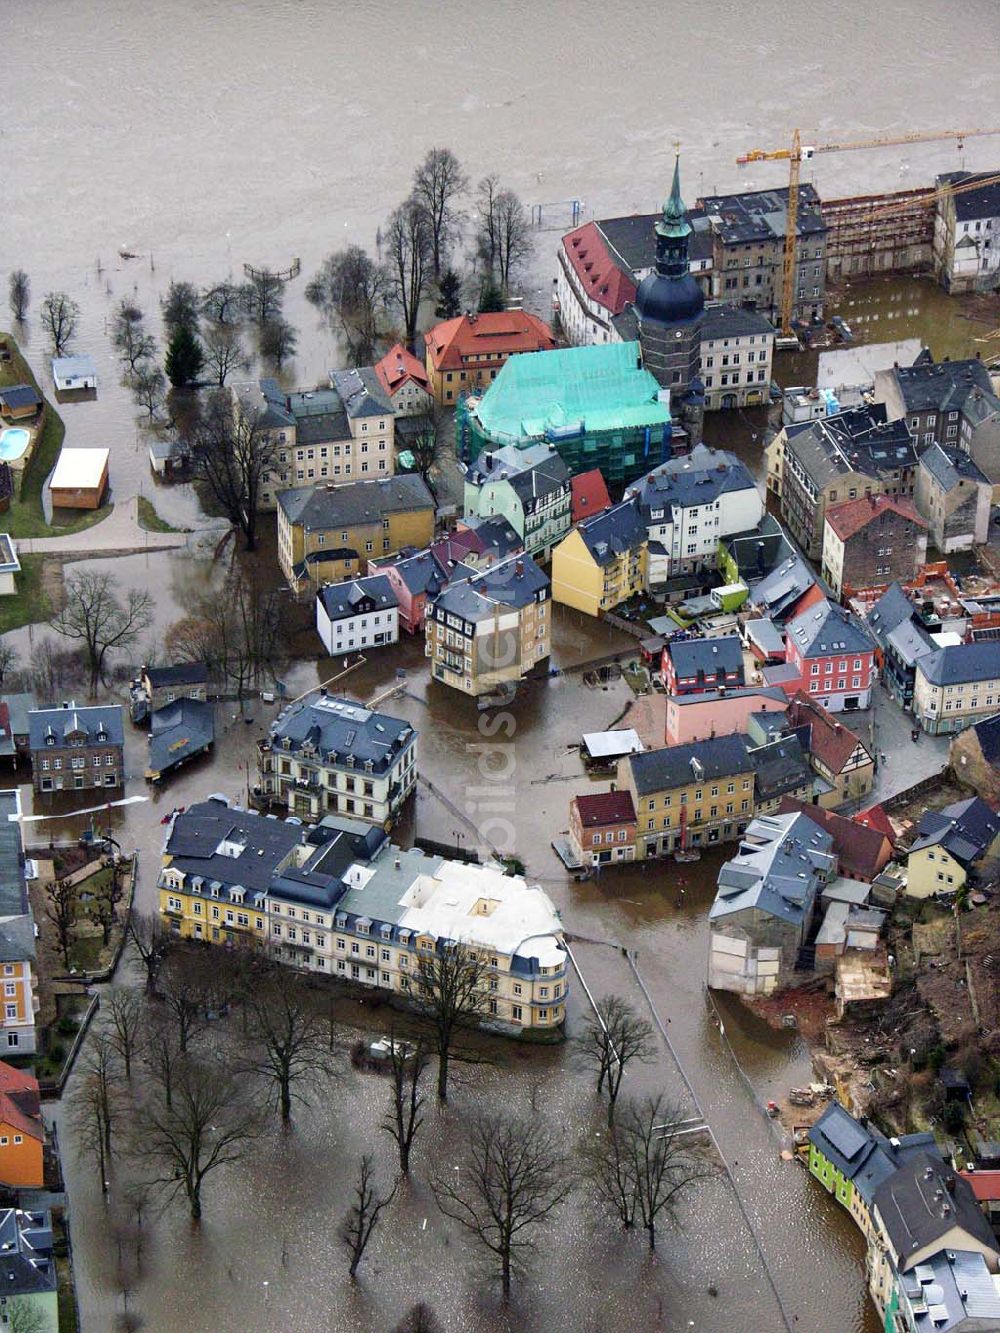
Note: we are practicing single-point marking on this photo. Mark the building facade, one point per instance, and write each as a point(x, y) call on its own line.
point(602, 828)
point(328, 755)
point(956, 685)
point(362, 613)
point(530, 488)
point(602, 562)
point(340, 900)
point(17, 937)
point(697, 717)
point(492, 629)
point(833, 656)
point(694, 666)
point(328, 533)
point(954, 496)
point(404, 381)
point(967, 233)
point(76, 749)
point(467, 353)
point(871, 542)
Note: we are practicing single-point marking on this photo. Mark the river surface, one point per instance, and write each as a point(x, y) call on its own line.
point(203, 136)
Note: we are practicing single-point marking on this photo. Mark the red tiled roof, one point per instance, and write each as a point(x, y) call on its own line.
point(599, 276)
point(590, 494)
point(849, 518)
point(829, 740)
point(503, 331)
point(20, 1107)
point(397, 366)
point(608, 807)
point(876, 818)
point(4, 720)
point(985, 1184)
point(861, 852)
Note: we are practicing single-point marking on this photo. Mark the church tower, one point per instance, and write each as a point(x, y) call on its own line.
point(669, 303)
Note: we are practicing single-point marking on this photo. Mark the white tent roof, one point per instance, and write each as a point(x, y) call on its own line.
point(611, 744)
point(79, 469)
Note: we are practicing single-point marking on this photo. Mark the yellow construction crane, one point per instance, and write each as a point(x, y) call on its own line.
point(799, 152)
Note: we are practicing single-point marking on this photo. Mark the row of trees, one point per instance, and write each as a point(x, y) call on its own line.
point(417, 250)
point(200, 1107)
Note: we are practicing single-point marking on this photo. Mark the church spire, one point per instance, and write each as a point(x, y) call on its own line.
point(674, 222)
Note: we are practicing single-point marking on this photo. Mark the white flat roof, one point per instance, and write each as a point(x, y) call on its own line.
point(854, 367)
point(79, 468)
point(605, 744)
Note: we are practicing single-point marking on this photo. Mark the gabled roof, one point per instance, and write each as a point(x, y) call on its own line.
point(988, 735)
point(689, 481)
point(324, 507)
point(940, 386)
point(91, 723)
point(876, 818)
point(861, 852)
point(20, 395)
point(777, 870)
point(966, 830)
point(681, 765)
point(514, 582)
point(961, 663)
point(778, 591)
point(399, 366)
point(180, 673)
point(950, 466)
point(589, 493)
point(860, 1151)
point(779, 767)
point(826, 629)
point(922, 1202)
point(20, 1104)
point(600, 273)
point(361, 392)
point(849, 518)
point(860, 440)
point(329, 724)
point(829, 740)
point(505, 331)
point(693, 657)
point(609, 807)
point(611, 534)
point(179, 731)
point(355, 597)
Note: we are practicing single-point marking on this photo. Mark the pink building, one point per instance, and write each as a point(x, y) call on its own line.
point(832, 656)
point(697, 717)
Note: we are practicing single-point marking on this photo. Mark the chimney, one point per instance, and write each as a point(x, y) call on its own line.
point(519, 568)
point(288, 403)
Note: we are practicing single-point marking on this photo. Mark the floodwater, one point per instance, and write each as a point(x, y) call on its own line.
point(203, 137)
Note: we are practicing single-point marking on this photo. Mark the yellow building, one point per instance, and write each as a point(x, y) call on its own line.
point(602, 562)
point(949, 844)
point(330, 533)
point(689, 796)
point(469, 351)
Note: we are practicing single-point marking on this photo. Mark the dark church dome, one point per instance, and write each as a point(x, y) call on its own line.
point(664, 300)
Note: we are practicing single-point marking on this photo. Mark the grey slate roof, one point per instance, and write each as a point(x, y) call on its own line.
point(778, 869)
point(329, 724)
point(962, 663)
point(196, 834)
point(973, 204)
point(861, 439)
point(952, 1289)
point(699, 478)
point(610, 534)
point(988, 735)
point(632, 239)
point(732, 321)
point(965, 830)
point(825, 628)
point(949, 466)
point(940, 386)
point(58, 722)
point(892, 608)
point(780, 766)
point(17, 939)
point(181, 673)
point(361, 392)
point(357, 597)
point(514, 582)
point(321, 508)
point(13, 890)
point(922, 1201)
point(20, 395)
point(27, 1267)
point(178, 732)
point(706, 656)
point(762, 214)
point(783, 587)
point(860, 1151)
point(679, 765)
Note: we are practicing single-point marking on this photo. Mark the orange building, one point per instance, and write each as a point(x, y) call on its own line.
point(468, 352)
point(22, 1131)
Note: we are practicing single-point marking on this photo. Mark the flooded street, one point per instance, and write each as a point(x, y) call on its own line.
point(201, 138)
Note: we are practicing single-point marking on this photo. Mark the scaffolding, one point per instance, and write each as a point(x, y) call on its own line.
point(879, 233)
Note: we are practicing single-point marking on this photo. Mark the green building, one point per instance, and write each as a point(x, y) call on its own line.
point(596, 405)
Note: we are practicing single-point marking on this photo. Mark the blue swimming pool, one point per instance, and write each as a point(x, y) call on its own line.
point(13, 442)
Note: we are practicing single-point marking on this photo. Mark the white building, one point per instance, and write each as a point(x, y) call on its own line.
point(967, 234)
point(358, 614)
point(689, 504)
point(10, 565)
point(73, 372)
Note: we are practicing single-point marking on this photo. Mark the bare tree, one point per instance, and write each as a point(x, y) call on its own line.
point(97, 1106)
point(106, 898)
point(487, 236)
point(126, 1014)
point(363, 1217)
point(350, 290)
point(161, 1053)
point(62, 900)
point(263, 296)
point(19, 294)
point(437, 184)
point(151, 942)
point(129, 337)
point(503, 240)
point(180, 308)
point(94, 615)
point(646, 1162)
point(233, 454)
point(187, 998)
point(408, 254)
point(406, 1101)
point(295, 1055)
point(511, 1178)
point(451, 986)
point(224, 304)
point(225, 353)
point(149, 388)
point(8, 659)
point(419, 1318)
point(60, 318)
point(237, 632)
point(428, 444)
point(208, 1124)
point(25, 1317)
point(278, 341)
point(610, 1040)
